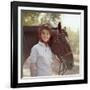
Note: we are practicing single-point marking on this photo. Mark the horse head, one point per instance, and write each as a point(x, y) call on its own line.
point(61, 47)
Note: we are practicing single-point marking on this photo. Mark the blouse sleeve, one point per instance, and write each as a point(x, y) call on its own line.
point(33, 55)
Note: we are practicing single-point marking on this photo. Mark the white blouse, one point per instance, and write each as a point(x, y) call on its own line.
point(41, 55)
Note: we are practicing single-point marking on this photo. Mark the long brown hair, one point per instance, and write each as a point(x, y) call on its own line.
point(46, 27)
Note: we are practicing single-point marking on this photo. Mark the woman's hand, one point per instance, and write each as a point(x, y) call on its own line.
point(55, 64)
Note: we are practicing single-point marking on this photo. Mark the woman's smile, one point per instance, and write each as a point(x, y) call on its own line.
point(45, 35)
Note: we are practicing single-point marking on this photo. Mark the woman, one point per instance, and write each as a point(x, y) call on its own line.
point(41, 56)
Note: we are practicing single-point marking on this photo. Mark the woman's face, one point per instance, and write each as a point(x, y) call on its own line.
point(45, 35)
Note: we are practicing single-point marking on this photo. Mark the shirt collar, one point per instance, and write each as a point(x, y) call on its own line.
point(41, 43)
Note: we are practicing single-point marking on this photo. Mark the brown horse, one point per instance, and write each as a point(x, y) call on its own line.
point(61, 47)
point(58, 43)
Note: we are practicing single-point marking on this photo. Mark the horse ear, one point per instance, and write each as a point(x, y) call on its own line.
point(59, 27)
point(66, 34)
